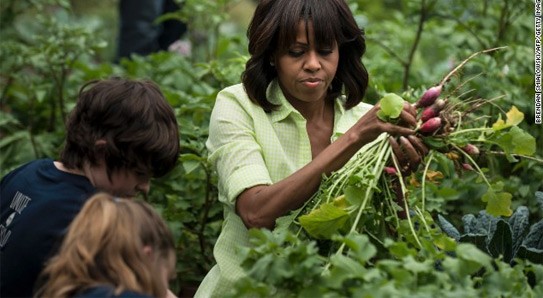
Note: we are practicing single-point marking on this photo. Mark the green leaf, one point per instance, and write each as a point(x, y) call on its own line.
point(418, 267)
point(448, 228)
point(516, 141)
point(498, 203)
point(529, 253)
point(523, 142)
point(344, 268)
point(399, 249)
point(190, 162)
point(514, 117)
point(354, 195)
point(539, 199)
point(519, 223)
point(534, 239)
point(475, 258)
point(434, 142)
point(391, 106)
point(501, 242)
point(360, 247)
point(478, 240)
point(325, 221)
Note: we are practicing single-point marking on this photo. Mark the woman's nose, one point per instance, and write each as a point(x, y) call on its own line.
point(312, 63)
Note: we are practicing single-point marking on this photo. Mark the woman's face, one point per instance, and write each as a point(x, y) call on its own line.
point(304, 71)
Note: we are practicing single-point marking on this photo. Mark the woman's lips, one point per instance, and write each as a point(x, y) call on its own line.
point(312, 83)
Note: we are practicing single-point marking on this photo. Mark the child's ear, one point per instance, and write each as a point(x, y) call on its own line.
point(100, 148)
point(147, 250)
point(100, 143)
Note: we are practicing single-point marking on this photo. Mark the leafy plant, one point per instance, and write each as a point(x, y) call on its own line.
point(47, 53)
point(280, 265)
point(510, 239)
point(344, 201)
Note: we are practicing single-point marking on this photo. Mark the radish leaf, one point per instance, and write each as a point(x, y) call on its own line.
point(514, 117)
point(325, 221)
point(391, 107)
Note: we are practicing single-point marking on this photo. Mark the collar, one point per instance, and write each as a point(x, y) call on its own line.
point(275, 95)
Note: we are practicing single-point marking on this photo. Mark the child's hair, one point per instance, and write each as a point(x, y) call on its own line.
point(105, 246)
point(133, 117)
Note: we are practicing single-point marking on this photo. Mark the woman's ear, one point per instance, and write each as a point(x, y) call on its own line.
point(272, 60)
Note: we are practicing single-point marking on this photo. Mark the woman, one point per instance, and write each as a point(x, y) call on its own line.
point(114, 248)
point(274, 136)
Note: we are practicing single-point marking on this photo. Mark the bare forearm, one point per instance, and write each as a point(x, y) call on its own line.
point(260, 206)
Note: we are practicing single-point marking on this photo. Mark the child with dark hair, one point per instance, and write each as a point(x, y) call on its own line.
point(114, 247)
point(120, 134)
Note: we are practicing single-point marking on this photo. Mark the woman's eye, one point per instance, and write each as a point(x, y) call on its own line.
point(295, 53)
point(325, 52)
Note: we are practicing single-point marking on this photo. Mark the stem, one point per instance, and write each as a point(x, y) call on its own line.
point(474, 164)
point(389, 204)
point(469, 130)
point(421, 215)
point(420, 28)
point(390, 51)
point(384, 151)
point(448, 76)
point(518, 155)
point(430, 157)
point(378, 168)
point(406, 206)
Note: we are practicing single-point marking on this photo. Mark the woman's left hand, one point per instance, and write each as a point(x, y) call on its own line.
point(409, 152)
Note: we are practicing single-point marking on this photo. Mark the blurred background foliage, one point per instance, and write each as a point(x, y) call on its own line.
point(49, 48)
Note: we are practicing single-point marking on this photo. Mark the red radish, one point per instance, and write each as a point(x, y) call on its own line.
point(390, 171)
point(471, 149)
point(429, 97)
point(433, 110)
point(431, 125)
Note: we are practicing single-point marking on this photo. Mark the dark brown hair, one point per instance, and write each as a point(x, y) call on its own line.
point(273, 29)
point(133, 117)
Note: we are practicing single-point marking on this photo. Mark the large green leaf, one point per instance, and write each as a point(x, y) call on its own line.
point(519, 224)
point(498, 202)
point(325, 221)
point(516, 141)
point(501, 242)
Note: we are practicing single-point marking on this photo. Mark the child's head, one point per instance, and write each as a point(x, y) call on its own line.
point(122, 125)
point(118, 242)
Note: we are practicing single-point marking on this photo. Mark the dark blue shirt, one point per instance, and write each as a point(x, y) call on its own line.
point(37, 203)
point(107, 292)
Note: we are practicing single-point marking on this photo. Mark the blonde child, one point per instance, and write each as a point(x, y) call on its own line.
point(114, 248)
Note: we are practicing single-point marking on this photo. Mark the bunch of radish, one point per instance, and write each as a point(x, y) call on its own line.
point(345, 200)
point(432, 106)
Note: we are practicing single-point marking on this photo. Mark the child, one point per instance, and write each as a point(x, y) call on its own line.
point(114, 248)
point(120, 134)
